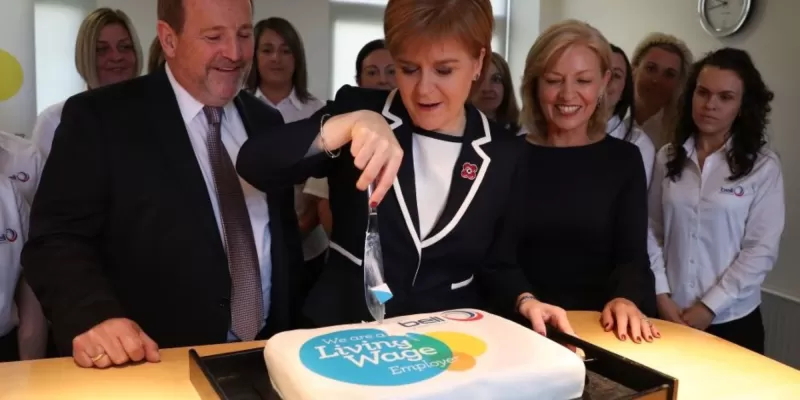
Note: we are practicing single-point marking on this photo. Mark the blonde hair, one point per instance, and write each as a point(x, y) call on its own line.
point(549, 46)
point(89, 34)
point(675, 46)
point(155, 56)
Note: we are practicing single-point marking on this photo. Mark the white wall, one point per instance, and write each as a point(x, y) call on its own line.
point(17, 67)
point(523, 29)
point(768, 39)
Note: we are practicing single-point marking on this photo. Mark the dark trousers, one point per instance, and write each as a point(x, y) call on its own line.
point(313, 268)
point(9, 348)
point(747, 331)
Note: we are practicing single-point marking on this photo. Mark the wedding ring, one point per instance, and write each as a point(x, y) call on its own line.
point(98, 357)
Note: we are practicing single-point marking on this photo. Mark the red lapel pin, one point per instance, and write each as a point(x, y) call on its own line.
point(469, 171)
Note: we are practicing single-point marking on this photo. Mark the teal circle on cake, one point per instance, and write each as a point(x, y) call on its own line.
point(372, 357)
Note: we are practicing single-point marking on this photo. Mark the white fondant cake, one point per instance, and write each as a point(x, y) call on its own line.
point(459, 355)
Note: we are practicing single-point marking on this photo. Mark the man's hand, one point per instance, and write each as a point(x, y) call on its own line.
point(114, 341)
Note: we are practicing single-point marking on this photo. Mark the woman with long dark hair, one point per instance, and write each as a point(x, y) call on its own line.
point(716, 203)
point(279, 77)
point(375, 67)
point(496, 98)
point(620, 101)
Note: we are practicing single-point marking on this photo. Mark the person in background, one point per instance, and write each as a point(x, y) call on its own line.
point(374, 66)
point(444, 216)
point(142, 234)
point(620, 101)
point(660, 66)
point(717, 206)
point(155, 58)
point(107, 51)
point(22, 162)
point(279, 77)
point(23, 327)
point(496, 96)
point(584, 246)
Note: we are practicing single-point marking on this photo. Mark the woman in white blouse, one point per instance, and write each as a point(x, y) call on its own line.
point(279, 77)
point(660, 66)
point(619, 98)
point(716, 203)
point(107, 51)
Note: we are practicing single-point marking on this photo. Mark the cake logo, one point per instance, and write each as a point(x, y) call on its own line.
point(375, 358)
point(462, 315)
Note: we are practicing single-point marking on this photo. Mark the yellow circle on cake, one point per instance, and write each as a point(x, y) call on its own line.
point(460, 342)
point(11, 75)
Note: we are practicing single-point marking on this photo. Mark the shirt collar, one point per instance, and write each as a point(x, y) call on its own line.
point(188, 105)
point(293, 99)
point(689, 146)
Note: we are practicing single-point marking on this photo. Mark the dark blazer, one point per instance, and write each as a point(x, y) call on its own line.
point(122, 224)
point(425, 274)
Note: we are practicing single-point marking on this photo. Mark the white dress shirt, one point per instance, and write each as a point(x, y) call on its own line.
point(654, 128)
point(293, 109)
point(45, 128)
point(22, 162)
point(713, 240)
point(233, 136)
point(13, 234)
point(617, 129)
point(317, 187)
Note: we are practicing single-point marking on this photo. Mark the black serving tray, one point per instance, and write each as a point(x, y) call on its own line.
point(240, 375)
point(610, 376)
point(243, 375)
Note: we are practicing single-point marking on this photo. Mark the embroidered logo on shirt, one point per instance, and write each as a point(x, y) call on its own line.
point(20, 176)
point(9, 236)
point(469, 171)
point(737, 191)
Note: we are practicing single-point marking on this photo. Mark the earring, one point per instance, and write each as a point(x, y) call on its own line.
point(477, 76)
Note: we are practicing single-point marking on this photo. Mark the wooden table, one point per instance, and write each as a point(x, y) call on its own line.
point(705, 366)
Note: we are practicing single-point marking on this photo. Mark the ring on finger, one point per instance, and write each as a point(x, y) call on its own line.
point(98, 357)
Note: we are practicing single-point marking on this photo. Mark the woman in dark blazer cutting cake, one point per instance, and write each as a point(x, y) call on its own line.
point(444, 176)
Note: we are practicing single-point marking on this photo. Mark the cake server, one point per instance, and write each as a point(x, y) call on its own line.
point(376, 290)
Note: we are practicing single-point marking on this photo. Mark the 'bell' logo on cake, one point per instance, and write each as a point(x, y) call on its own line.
point(463, 316)
point(375, 358)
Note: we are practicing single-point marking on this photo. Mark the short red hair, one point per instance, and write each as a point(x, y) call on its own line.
point(414, 21)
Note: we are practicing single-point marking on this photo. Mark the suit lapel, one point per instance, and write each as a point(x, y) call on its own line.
point(176, 148)
point(237, 101)
point(403, 185)
point(468, 174)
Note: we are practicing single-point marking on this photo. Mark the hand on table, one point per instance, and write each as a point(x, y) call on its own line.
point(668, 310)
point(698, 316)
point(628, 319)
point(542, 313)
point(114, 341)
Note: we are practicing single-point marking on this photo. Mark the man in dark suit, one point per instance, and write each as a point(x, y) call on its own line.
point(142, 233)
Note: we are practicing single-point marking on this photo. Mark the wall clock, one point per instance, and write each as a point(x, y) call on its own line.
point(722, 18)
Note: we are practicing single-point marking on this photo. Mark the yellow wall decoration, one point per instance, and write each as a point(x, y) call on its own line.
point(11, 75)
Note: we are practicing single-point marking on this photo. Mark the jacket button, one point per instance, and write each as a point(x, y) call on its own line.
point(224, 303)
